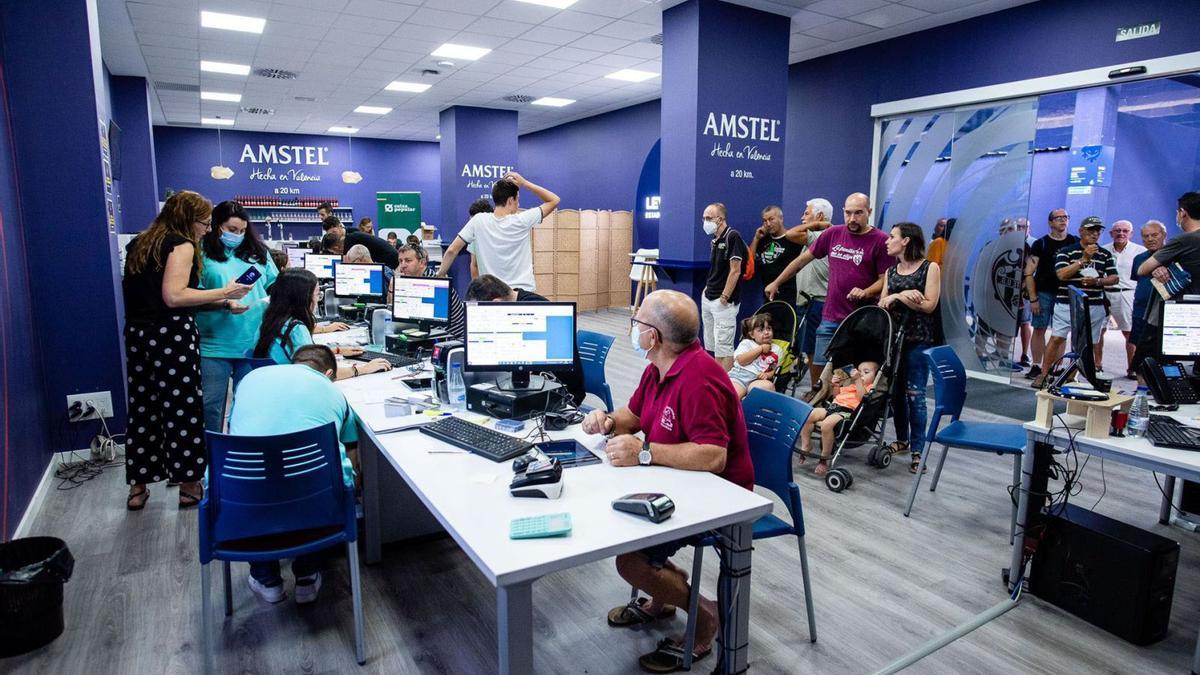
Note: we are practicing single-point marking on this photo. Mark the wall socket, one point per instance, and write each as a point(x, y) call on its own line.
point(101, 400)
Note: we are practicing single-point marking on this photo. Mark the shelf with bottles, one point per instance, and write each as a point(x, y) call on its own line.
point(289, 220)
point(275, 201)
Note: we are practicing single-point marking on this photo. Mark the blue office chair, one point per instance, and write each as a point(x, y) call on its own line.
point(257, 362)
point(950, 391)
point(773, 423)
point(593, 352)
point(272, 497)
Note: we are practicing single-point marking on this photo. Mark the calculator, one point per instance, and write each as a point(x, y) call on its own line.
point(536, 527)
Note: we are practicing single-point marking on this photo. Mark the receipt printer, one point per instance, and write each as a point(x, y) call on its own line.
point(653, 506)
point(445, 353)
point(536, 475)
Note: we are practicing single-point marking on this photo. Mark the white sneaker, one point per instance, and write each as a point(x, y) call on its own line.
point(307, 589)
point(271, 594)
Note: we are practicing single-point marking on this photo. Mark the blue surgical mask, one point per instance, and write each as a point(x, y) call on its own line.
point(230, 239)
point(635, 338)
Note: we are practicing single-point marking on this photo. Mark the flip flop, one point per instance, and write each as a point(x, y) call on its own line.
point(668, 657)
point(634, 614)
point(187, 500)
point(132, 502)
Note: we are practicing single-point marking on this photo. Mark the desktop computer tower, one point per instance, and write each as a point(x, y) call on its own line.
point(1113, 575)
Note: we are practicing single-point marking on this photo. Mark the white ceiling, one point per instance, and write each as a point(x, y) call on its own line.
point(347, 51)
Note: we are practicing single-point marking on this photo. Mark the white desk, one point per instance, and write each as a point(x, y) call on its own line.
point(468, 496)
point(1137, 452)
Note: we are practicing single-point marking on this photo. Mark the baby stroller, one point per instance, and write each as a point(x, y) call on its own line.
point(868, 334)
point(783, 324)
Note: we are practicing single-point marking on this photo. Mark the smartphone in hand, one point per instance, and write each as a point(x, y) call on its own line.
point(251, 275)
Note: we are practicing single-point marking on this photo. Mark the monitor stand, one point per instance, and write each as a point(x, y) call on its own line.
point(520, 381)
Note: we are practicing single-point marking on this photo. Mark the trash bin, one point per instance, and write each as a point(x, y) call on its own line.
point(32, 573)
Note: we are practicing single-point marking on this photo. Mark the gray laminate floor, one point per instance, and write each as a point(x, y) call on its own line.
point(883, 584)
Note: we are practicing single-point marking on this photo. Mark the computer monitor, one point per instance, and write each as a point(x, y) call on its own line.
point(520, 338)
point(359, 280)
point(1081, 340)
point(296, 255)
point(424, 301)
point(1181, 330)
point(321, 264)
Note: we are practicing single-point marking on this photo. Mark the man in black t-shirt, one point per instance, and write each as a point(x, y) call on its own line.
point(722, 288)
point(774, 247)
point(1041, 284)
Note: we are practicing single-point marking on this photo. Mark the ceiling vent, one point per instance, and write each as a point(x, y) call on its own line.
point(251, 110)
point(655, 39)
point(518, 98)
point(430, 72)
point(306, 99)
point(275, 73)
point(176, 86)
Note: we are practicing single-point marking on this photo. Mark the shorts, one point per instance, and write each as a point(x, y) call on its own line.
point(839, 410)
point(811, 312)
point(1046, 304)
point(742, 376)
point(824, 336)
point(1121, 306)
point(1061, 327)
point(720, 326)
point(1026, 315)
point(658, 554)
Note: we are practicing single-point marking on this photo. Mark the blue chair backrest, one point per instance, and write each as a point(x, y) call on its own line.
point(593, 353)
point(257, 362)
point(260, 485)
point(949, 384)
point(773, 423)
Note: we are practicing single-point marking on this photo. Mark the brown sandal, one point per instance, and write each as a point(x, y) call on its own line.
point(189, 499)
point(136, 501)
point(915, 463)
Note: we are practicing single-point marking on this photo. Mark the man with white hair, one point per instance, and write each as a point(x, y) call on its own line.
point(812, 282)
point(1120, 297)
point(1154, 235)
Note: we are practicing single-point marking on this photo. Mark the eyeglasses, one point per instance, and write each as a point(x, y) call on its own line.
point(206, 223)
point(633, 323)
point(1061, 218)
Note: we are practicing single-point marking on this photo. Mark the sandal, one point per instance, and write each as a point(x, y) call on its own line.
point(821, 468)
point(915, 463)
point(897, 448)
point(189, 499)
point(136, 501)
point(668, 657)
point(634, 614)
point(803, 454)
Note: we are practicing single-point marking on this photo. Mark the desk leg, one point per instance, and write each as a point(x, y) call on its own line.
point(1018, 547)
point(734, 597)
point(1164, 511)
point(514, 628)
point(368, 459)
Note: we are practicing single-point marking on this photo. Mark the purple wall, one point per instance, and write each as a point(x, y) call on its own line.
point(1153, 165)
point(593, 163)
point(138, 204)
point(830, 98)
point(185, 155)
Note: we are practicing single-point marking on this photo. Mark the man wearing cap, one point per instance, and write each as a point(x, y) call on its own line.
point(1041, 284)
point(1083, 265)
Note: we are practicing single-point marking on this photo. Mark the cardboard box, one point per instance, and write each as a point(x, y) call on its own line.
point(566, 286)
point(545, 284)
point(566, 262)
point(543, 239)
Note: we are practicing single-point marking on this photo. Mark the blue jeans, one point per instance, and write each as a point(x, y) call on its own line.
point(214, 380)
point(1046, 305)
point(267, 573)
point(908, 396)
point(811, 312)
point(824, 336)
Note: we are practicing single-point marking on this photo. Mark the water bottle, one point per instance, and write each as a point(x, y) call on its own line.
point(1139, 415)
point(381, 324)
point(456, 387)
point(330, 304)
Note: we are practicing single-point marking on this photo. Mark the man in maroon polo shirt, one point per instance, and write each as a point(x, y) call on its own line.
point(690, 415)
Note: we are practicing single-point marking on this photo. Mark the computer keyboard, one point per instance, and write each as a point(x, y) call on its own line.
point(397, 360)
point(1165, 432)
point(478, 439)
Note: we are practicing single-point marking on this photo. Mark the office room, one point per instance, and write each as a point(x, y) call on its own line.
point(604, 336)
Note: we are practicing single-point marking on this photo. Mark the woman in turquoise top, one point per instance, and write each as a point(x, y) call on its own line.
point(288, 324)
point(229, 249)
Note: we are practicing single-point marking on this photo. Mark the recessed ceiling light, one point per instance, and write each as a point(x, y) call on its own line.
point(226, 68)
point(216, 121)
point(244, 24)
point(556, 4)
point(438, 137)
point(631, 75)
point(372, 110)
point(415, 87)
point(220, 96)
point(452, 51)
point(343, 130)
point(554, 102)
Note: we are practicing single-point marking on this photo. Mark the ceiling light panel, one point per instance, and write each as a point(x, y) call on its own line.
point(372, 110)
point(216, 121)
point(554, 102)
point(464, 52)
point(220, 96)
point(556, 4)
point(413, 87)
point(225, 68)
point(631, 75)
point(234, 22)
point(343, 130)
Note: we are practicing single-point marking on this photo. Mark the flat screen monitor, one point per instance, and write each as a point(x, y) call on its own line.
point(424, 301)
point(520, 338)
point(356, 280)
point(1081, 340)
point(296, 255)
point(321, 264)
point(1181, 330)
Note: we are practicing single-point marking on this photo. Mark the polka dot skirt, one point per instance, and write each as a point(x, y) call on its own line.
point(165, 435)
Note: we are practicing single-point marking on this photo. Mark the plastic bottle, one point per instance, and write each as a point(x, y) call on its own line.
point(456, 387)
point(381, 323)
point(1139, 415)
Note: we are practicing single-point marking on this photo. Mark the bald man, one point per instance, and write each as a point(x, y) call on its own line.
point(1120, 297)
point(858, 260)
point(691, 419)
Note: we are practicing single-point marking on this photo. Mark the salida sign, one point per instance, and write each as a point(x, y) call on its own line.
point(749, 131)
point(287, 158)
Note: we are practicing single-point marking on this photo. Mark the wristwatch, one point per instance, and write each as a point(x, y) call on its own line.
point(644, 457)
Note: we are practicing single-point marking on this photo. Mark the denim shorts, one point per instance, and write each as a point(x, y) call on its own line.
point(1046, 304)
point(824, 336)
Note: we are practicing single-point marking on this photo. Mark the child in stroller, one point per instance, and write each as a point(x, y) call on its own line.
point(847, 400)
point(757, 357)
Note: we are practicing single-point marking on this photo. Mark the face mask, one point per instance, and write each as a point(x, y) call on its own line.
point(710, 227)
point(635, 338)
point(230, 239)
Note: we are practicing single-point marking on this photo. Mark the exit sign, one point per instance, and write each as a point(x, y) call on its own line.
point(1141, 30)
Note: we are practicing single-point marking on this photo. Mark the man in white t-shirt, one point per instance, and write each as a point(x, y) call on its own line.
point(501, 238)
point(1120, 297)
